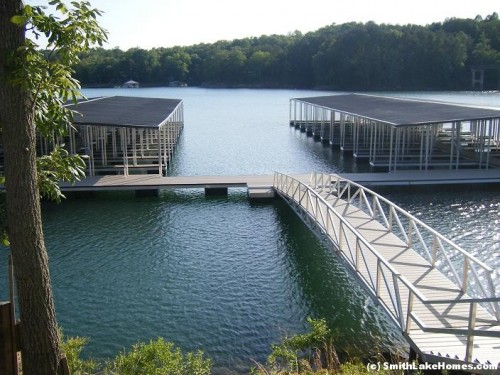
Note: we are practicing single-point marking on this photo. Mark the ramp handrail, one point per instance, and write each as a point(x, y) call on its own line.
point(384, 279)
point(472, 275)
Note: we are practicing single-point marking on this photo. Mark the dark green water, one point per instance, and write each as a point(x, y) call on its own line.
point(225, 275)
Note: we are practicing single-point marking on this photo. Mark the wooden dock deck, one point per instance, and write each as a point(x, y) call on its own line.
point(258, 186)
point(265, 182)
point(440, 320)
point(426, 177)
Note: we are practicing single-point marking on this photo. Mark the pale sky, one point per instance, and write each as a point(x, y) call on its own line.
point(167, 23)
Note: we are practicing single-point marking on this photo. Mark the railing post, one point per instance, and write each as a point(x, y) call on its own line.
point(465, 274)
point(336, 187)
point(434, 251)
point(379, 276)
point(408, 311)
point(327, 224)
point(391, 210)
point(398, 300)
point(470, 335)
point(341, 235)
point(357, 253)
point(410, 233)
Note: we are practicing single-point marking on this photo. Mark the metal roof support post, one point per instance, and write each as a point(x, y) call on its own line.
point(104, 150)
point(421, 147)
point(390, 149)
point(427, 146)
point(452, 142)
point(72, 140)
point(490, 143)
point(332, 125)
point(301, 113)
point(480, 146)
point(458, 131)
point(123, 137)
point(295, 112)
point(160, 163)
point(92, 157)
point(354, 128)
point(113, 142)
point(323, 122)
point(383, 138)
point(372, 128)
point(355, 131)
point(375, 141)
point(166, 143)
point(141, 141)
point(303, 125)
point(164, 139)
point(90, 150)
point(134, 147)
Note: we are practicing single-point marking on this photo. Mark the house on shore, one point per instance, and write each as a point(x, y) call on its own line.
point(131, 84)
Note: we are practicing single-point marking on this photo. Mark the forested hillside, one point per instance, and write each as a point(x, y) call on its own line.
point(351, 56)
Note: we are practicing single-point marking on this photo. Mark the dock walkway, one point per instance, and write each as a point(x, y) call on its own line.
point(442, 298)
point(265, 182)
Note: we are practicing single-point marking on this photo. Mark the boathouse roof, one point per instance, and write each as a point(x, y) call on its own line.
point(400, 112)
point(124, 111)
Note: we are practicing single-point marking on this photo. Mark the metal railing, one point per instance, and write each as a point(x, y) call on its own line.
point(472, 275)
point(390, 288)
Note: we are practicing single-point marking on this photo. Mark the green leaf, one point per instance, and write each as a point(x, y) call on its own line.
point(5, 241)
point(19, 20)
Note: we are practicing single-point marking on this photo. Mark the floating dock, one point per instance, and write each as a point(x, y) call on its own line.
point(402, 134)
point(261, 186)
point(121, 135)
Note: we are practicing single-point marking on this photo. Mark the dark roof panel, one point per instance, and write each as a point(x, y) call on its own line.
point(400, 111)
point(124, 111)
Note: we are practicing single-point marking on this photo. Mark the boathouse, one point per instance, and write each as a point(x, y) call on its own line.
point(131, 84)
point(123, 135)
point(395, 134)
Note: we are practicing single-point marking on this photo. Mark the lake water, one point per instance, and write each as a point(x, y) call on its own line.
point(225, 275)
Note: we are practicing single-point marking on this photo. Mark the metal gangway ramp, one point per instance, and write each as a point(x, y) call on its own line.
point(442, 298)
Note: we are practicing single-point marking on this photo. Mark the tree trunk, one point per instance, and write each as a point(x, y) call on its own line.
point(39, 337)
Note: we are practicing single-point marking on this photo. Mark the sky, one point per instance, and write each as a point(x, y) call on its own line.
point(167, 23)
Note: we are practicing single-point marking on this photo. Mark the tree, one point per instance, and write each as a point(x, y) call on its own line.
point(34, 83)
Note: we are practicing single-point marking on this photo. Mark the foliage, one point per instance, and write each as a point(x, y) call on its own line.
point(313, 353)
point(160, 358)
point(48, 76)
point(303, 353)
point(351, 56)
point(36, 84)
point(72, 348)
point(4, 237)
point(59, 165)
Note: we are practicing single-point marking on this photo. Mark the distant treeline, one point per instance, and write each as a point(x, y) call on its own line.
point(351, 56)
